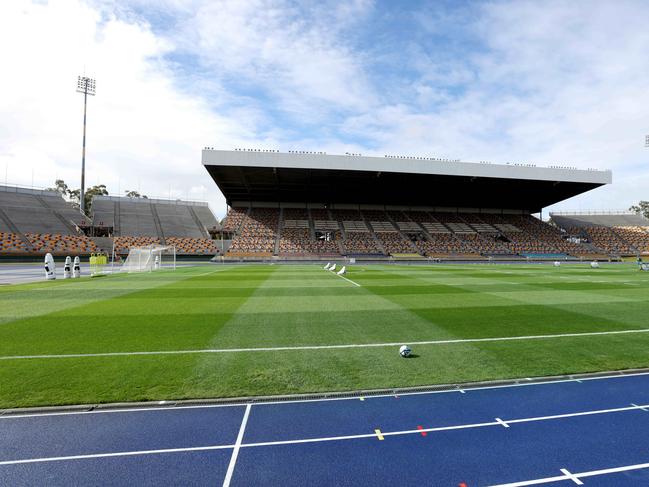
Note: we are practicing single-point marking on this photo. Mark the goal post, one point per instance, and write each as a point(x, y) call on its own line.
point(150, 258)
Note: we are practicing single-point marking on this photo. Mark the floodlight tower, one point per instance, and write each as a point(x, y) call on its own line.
point(86, 86)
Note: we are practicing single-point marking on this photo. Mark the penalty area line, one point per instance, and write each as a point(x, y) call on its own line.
point(322, 347)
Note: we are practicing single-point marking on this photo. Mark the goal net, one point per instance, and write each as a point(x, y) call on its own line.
point(150, 258)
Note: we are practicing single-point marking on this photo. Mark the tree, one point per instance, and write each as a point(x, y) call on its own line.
point(97, 190)
point(60, 187)
point(642, 208)
point(135, 194)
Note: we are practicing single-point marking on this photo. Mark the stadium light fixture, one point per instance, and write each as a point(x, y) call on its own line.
point(86, 86)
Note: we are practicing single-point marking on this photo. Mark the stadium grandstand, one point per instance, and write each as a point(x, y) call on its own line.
point(34, 222)
point(615, 232)
point(310, 205)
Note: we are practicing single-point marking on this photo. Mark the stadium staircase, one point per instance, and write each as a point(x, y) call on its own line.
point(10, 224)
point(198, 222)
point(403, 237)
point(158, 225)
point(280, 227)
point(376, 239)
point(117, 225)
point(311, 224)
point(72, 228)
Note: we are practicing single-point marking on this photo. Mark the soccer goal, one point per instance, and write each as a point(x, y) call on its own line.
point(150, 258)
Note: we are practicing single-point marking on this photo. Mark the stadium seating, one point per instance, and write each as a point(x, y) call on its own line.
point(257, 233)
point(123, 244)
point(10, 243)
point(142, 217)
point(637, 237)
point(72, 244)
point(26, 210)
point(193, 246)
point(607, 239)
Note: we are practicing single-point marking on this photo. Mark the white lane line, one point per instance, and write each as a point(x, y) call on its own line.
point(237, 446)
point(116, 454)
point(571, 476)
point(325, 399)
point(348, 280)
point(500, 421)
point(385, 434)
point(323, 347)
point(643, 408)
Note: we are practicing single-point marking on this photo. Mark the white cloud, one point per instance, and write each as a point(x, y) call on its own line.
point(143, 131)
point(511, 81)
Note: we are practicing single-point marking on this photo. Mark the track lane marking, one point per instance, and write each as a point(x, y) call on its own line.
point(375, 434)
point(237, 447)
point(571, 476)
point(578, 476)
point(322, 347)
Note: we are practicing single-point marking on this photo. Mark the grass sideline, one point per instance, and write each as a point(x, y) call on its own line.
point(274, 306)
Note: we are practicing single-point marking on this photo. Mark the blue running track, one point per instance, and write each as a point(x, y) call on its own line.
point(592, 432)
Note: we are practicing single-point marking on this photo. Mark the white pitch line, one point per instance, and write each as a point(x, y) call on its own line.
point(324, 347)
point(237, 446)
point(348, 280)
point(240, 444)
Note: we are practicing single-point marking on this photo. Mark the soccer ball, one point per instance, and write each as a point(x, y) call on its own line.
point(405, 351)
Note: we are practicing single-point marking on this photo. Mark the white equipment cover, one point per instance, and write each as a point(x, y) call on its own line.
point(326, 268)
point(594, 264)
point(333, 267)
point(557, 263)
point(149, 258)
point(76, 268)
point(50, 267)
point(67, 268)
point(342, 271)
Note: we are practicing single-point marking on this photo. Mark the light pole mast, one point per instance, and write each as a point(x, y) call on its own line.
point(86, 86)
point(646, 141)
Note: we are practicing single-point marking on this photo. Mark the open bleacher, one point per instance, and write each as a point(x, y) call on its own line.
point(617, 233)
point(34, 222)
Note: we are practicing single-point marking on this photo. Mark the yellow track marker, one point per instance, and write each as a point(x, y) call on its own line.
point(379, 435)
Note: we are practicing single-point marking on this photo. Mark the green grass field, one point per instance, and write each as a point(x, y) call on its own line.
point(216, 307)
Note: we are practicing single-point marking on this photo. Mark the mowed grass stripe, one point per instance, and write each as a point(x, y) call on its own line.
point(261, 305)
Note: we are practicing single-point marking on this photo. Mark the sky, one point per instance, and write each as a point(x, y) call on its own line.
point(545, 82)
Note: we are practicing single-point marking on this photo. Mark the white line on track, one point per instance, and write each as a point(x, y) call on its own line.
point(571, 476)
point(240, 444)
point(323, 347)
point(237, 446)
point(575, 477)
point(181, 407)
